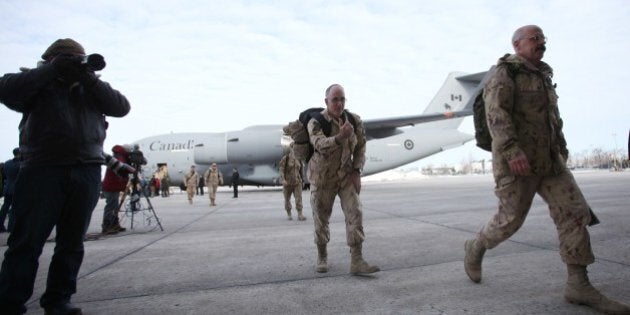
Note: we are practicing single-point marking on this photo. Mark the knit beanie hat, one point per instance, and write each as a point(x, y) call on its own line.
point(63, 46)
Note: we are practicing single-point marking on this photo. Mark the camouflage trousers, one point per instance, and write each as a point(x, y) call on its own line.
point(190, 190)
point(212, 191)
point(567, 208)
point(296, 191)
point(322, 201)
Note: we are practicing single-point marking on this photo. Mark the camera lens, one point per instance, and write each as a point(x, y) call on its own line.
point(94, 62)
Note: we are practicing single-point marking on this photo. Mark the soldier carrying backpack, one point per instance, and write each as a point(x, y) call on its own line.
point(336, 159)
point(529, 155)
point(297, 130)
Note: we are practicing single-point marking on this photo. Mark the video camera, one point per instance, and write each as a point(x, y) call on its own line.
point(136, 157)
point(93, 62)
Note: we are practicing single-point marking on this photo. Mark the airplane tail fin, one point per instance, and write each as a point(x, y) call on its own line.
point(457, 94)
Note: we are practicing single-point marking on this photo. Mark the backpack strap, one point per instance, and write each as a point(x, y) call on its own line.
point(350, 117)
point(315, 113)
point(325, 124)
point(283, 163)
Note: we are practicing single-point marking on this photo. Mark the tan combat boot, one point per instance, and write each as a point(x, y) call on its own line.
point(322, 257)
point(580, 291)
point(472, 261)
point(301, 217)
point(358, 266)
point(289, 217)
point(212, 202)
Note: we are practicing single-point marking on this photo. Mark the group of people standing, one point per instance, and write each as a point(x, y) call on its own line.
point(212, 178)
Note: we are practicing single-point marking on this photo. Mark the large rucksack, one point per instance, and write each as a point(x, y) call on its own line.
point(482, 133)
point(298, 130)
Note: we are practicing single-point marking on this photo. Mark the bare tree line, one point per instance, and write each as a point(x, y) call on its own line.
point(596, 158)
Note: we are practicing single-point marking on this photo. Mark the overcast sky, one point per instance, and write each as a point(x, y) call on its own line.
point(215, 66)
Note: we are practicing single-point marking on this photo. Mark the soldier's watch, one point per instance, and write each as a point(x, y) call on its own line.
point(358, 170)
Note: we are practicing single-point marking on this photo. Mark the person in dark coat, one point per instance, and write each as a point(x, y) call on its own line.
point(1, 179)
point(200, 186)
point(235, 178)
point(64, 105)
point(10, 172)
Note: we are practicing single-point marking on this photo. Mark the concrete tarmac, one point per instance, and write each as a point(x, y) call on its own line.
point(244, 257)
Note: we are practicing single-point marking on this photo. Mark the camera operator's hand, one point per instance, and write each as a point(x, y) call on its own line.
point(87, 78)
point(119, 168)
point(68, 67)
point(124, 170)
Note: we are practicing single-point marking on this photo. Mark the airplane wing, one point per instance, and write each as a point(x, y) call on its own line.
point(469, 84)
point(402, 121)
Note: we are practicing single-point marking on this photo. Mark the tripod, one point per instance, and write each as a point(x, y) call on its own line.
point(134, 200)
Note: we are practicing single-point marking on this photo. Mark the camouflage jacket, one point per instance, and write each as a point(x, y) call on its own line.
point(191, 179)
point(522, 115)
point(213, 177)
point(290, 170)
point(331, 162)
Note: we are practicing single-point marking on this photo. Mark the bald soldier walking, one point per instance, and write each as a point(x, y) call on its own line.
point(529, 156)
point(335, 170)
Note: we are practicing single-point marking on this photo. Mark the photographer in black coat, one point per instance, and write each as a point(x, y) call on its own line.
point(235, 178)
point(63, 105)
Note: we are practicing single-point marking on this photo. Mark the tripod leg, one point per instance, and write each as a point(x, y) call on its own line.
point(134, 205)
point(122, 201)
point(154, 214)
point(120, 204)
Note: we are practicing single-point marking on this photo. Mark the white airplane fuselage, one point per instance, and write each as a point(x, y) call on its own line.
point(256, 151)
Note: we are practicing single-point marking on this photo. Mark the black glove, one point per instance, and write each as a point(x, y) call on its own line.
point(68, 67)
point(87, 78)
point(71, 69)
point(124, 170)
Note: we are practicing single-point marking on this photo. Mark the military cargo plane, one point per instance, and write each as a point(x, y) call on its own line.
point(255, 151)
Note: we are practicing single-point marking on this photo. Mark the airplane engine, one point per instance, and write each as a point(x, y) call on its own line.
point(211, 149)
point(254, 145)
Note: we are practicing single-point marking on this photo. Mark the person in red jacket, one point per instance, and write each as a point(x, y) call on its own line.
point(113, 184)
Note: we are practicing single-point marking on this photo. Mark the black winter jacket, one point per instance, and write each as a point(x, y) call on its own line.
point(61, 124)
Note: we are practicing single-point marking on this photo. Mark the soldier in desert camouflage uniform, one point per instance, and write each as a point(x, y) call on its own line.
point(190, 180)
point(291, 176)
point(335, 169)
point(213, 178)
point(529, 155)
